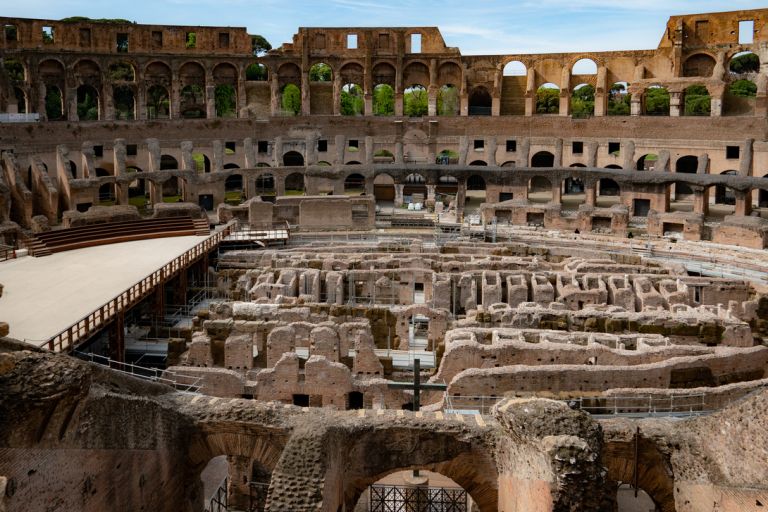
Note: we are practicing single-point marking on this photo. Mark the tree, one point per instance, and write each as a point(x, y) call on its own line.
point(448, 101)
point(320, 73)
point(416, 101)
point(745, 63)
point(226, 100)
point(256, 72)
point(259, 45)
point(383, 100)
point(53, 104)
point(657, 101)
point(352, 100)
point(583, 101)
point(290, 101)
point(743, 89)
point(547, 100)
point(697, 101)
point(14, 69)
point(619, 101)
point(87, 104)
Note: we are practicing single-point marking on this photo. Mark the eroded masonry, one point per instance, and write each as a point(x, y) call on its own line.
point(424, 280)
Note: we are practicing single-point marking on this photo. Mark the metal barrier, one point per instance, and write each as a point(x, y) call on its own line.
point(82, 329)
point(218, 502)
point(7, 252)
point(178, 381)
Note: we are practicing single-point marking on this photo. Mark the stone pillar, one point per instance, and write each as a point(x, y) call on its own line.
point(399, 195)
point(628, 152)
point(461, 197)
point(747, 153)
point(210, 101)
point(41, 91)
point(141, 102)
point(399, 156)
point(432, 101)
point(118, 157)
point(565, 92)
point(277, 153)
point(636, 105)
point(249, 151)
point(274, 95)
point(155, 192)
point(174, 106)
point(341, 149)
point(530, 93)
point(490, 151)
point(310, 143)
point(701, 200)
point(369, 147)
point(743, 203)
point(107, 104)
point(590, 192)
point(70, 107)
point(238, 491)
point(87, 164)
point(675, 101)
point(558, 153)
point(187, 163)
point(306, 107)
point(153, 149)
point(703, 164)
point(557, 192)
point(524, 152)
point(218, 156)
point(242, 104)
point(601, 92)
point(592, 147)
point(716, 104)
point(431, 193)
point(662, 164)
point(399, 103)
point(463, 149)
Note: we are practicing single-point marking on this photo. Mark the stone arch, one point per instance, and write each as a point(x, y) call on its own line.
point(15, 69)
point(583, 100)
point(121, 71)
point(225, 78)
point(293, 159)
point(573, 191)
point(88, 103)
point(87, 72)
point(168, 162)
point(290, 100)
point(608, 192)
point(655, 476)
point(193, 103)
point(480, 101)
point(480, 163)
point(415, 183)
point(124, 101)
point(448, 73)
point(619, 100)
point(21, 100)
point(354, 184)
point(548, 99)
point(234, 188)
point(294, 184)
point(448, 100)
point(383, 100)
point(384, 187)
point(416, 73)
point(384, 73)
point(687, 164)
point(540, 190)
point(744, 63)
point(762, 194)
point(256, 72)
point(173, 191)
point(158, 73)
point(724, 194)
point(51, 71)
point(699, 64)
point(289, 73)
point(54, 103)
point(352, 73)
point(320, 72)
point(352, 102)
point(265, 185)
point(647, 162)
point(201, 162)
point(415, 101)
point(543, 159)
point(191, 73)
point(584, 66)
point(158, 102)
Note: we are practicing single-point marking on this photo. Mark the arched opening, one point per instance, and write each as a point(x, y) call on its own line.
point(383, 156)
point(158, 102)
point(480, 102)
point(383, 100)
point(202, 163)
point(137, 190)
point(608, 192)
point(414, 189)
point(121, 72)
point(515, 68)
point(762, 197)
point(125, 104)
point(21, 100)
point(476, 193)
point(721, 200)
point(290, 100)
point(233, 189)
point(87, 103)
point(700, 64)
point(256, 72)
point(584, 67)
point(448, 101)
point(320, 72)
point(172, 192)
point(548, 99)
point(351, 100)
point(619, 100)
point(353, 162)
point(54, 103)
point(656, 101)
point(724, 195)
point(226, 100)
point(447, 157)
point(647, 162)
point(629, 500)
point(192, 102)
point(415, 101)
point(543, 159)
point(540, 190)
point(14, 69)
point(685, 165)
point(168, 162)
point(323, 163)
point(384, 189)
point(583, 101)
point(478, 163)
point(697, 101)
point(744, 63)
point(294, 184)
point(573, 193)
point(740, 96)
point(354, 185)
point(395, 492)
point(265, 186)
point(293, 159)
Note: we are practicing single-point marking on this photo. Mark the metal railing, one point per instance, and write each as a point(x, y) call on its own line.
point(7, 252)
point(178, 381)
point(641, 406)
point(218, 502)
point(97, 319)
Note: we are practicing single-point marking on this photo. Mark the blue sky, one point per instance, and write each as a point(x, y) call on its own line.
point(476, 27)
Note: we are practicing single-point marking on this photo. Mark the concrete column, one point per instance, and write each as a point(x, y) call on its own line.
point(398, 195)
point(675, 101)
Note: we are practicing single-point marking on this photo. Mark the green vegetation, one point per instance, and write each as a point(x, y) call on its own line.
point(226, 101)
point(158, 104)
point(448, 101)
point(191, 40)
point(619, 101)
point(547, 100)
point(415, 101)
point(583, 101)
point(657, 101)
point(54, 106)
point(290, 101)
point(352, 100)
point(105, 21)
point(320, 73)
point(745, 63)
point(122, 71)
point(256, 72)
point(14, 69)
point(87, 104)
point(199, 160)
point(259, 45)
point(743, 88)
point(172, 199)
point(124, 102)
point(11, 33)
point(383, 100)
point(697, 101)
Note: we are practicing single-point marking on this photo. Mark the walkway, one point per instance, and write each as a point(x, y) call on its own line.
point(43, 296)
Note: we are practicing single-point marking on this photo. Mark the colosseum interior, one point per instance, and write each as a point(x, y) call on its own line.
point(363, 272)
